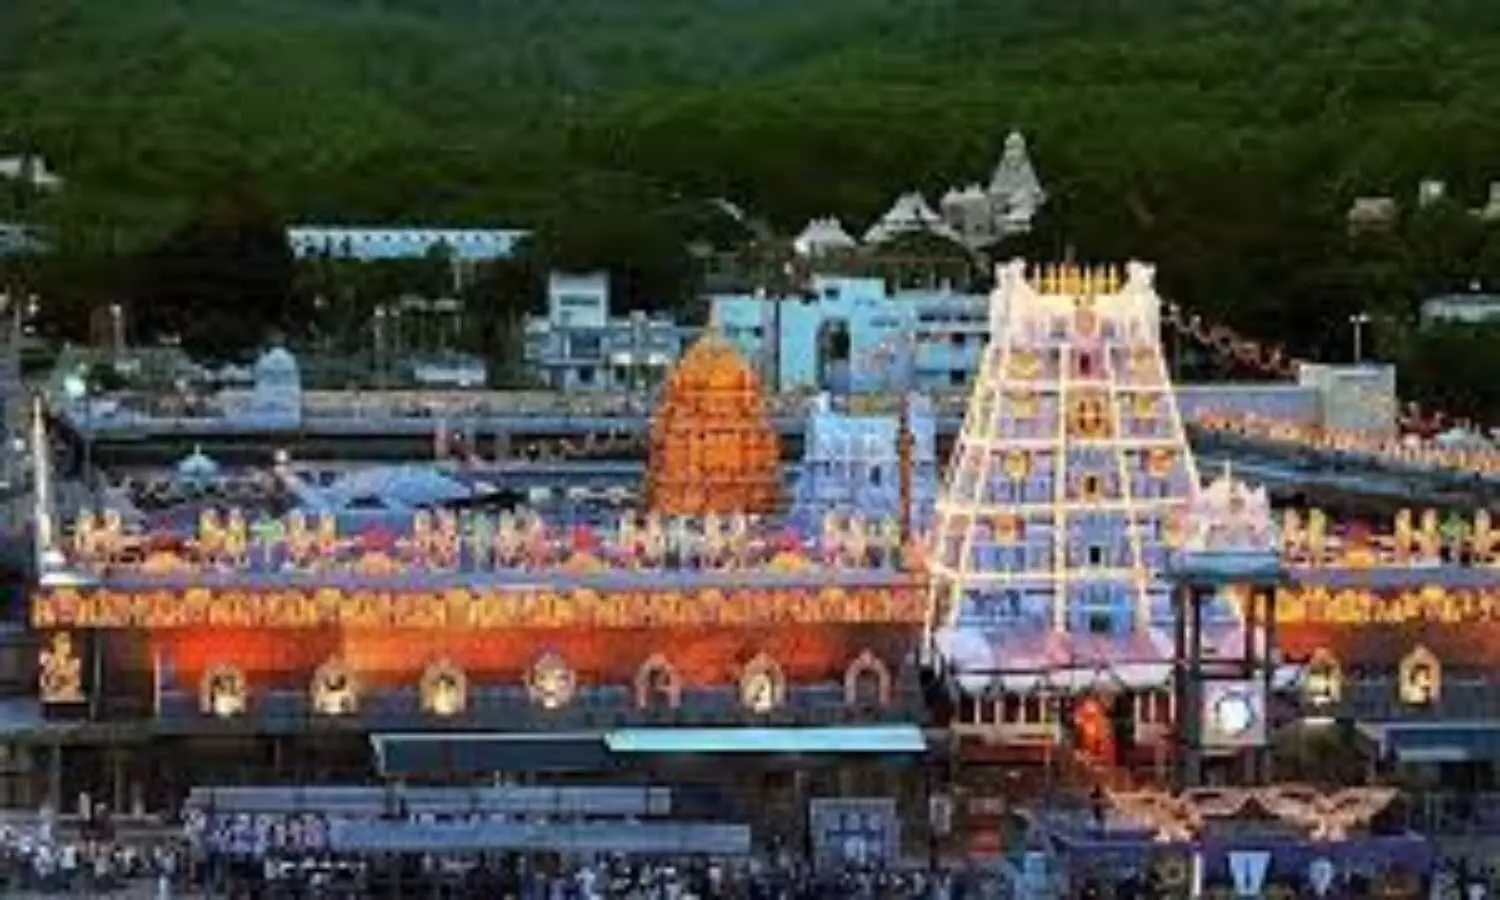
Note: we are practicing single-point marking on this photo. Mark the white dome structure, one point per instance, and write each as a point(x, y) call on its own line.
point(910, 214)
point(276, 398)
point(197, 466)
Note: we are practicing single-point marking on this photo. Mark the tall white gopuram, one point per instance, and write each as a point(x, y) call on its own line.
point(1070, 476)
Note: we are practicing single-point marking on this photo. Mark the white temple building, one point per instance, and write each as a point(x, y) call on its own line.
point(975, 216)
point(910, 214)
point(983, 215)
point(823, 237)
point(275, 398)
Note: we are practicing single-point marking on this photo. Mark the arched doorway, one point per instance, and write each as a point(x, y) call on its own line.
point(834, 348)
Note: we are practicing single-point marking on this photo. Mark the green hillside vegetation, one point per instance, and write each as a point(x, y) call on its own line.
point(1223, 138)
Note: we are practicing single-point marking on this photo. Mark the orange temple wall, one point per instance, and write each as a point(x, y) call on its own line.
point(395, 657)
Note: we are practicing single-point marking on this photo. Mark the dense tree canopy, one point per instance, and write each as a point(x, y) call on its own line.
point(222, 283)
point(1222, 138)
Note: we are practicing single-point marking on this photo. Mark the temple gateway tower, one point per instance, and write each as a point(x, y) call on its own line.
point(1072, 465)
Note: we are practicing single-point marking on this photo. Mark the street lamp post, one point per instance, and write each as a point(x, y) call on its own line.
point(379, 347)
point(1359, 321)
point(117, 330)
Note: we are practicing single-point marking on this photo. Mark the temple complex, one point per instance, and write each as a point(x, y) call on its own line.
point(712, 448)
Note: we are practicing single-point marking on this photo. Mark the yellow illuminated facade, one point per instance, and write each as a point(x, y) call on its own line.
point(899, 603)
point(713, 449)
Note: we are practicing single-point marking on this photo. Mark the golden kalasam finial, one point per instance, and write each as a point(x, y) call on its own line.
point(1044, 279)
point(1088, 281)
point(1072, 279)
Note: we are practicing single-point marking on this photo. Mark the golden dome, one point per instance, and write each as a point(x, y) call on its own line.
point(713, 449)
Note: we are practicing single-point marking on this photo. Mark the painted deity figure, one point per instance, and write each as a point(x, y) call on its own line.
point(61, 675)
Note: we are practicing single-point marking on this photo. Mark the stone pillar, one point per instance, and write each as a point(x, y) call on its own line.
point(117, 780)
point(1249, 668)
point(1180, 742)
point(1195, 684)
point(54, 777)
point(1188, 684)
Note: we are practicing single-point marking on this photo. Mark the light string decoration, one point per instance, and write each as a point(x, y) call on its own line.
point(1275, 362)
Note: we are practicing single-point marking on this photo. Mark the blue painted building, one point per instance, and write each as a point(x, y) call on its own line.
point(853, 334)
point(579, 346)
point(371, 244)
point(851, 465)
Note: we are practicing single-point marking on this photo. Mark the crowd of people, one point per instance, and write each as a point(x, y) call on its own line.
point(292, 855)
point(35, 859)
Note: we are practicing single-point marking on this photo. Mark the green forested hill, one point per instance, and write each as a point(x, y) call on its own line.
point(343, 108)
point(1224, 138)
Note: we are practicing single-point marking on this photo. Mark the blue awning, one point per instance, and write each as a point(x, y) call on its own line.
point(644, 838)
point(473, 755)
point(835, 739)
point(1437, 742)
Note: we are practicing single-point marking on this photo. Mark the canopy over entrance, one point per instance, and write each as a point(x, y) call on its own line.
point(643, 838)
point(879, 739)
point(1436, 742)
point(481, 755)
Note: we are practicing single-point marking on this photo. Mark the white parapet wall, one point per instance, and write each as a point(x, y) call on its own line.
point(1358, 398)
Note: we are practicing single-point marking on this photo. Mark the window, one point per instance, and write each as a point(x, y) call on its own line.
point(585, 346)
point(1096, 555)
point(586, 375)
point(957, 340)
point(1091, 487)
point(1100, 623)
point(956, 377)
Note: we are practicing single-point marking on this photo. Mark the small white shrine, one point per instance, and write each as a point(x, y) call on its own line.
point(982, 215)
point(910, 214)
point(276, 397)
point(823, 237)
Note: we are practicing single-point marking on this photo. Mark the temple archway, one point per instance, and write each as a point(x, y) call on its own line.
point(657, 685)
point(867, 682)
point(834, 353)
